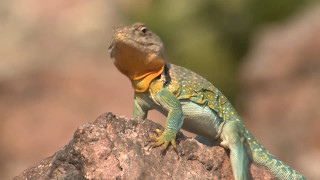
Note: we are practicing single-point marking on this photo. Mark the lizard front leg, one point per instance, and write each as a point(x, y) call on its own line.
point(169, 102)
point(140, 108)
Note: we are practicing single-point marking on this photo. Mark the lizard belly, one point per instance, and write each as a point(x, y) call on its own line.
point(200, 119)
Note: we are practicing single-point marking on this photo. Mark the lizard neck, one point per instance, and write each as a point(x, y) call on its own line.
point(140, 68)
point(142, 85)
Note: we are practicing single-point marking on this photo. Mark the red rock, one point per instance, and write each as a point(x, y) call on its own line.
point(118, 148)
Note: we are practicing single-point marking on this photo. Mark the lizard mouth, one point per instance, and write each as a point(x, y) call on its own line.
point(111, 49)
point(121, 44)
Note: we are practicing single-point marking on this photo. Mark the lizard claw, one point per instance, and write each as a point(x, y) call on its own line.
point(164, 139)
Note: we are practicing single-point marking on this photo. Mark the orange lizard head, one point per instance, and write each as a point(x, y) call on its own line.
point(138, 53)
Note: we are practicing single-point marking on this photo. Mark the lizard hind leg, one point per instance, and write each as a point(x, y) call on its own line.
point(232, 139)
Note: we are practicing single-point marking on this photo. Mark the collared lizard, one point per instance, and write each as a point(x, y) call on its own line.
point(188, 100)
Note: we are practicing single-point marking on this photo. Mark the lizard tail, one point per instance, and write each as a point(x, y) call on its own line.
point(262, 157)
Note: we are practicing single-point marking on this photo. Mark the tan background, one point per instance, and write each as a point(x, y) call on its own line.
point(55, 75)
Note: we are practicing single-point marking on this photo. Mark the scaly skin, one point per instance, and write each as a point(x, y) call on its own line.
point(188, 100)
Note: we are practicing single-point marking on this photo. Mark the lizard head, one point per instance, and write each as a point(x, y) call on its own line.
point(138, 53)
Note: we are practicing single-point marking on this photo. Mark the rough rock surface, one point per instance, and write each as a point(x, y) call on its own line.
point(117, 148)
point(281, 87)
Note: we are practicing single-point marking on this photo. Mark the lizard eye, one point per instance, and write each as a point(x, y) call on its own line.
point(144, 30)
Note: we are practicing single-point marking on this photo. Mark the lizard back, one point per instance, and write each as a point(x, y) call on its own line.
point(189, 85)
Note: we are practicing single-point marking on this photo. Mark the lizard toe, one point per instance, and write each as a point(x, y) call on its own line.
point(158, 143)
point(164, 139)
point(154, 138)
point(158, 131)
point(173, 143)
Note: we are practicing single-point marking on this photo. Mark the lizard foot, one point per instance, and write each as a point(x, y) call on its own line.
point(163, 139)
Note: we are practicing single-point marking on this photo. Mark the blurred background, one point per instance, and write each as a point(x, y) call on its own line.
point(56, 74)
